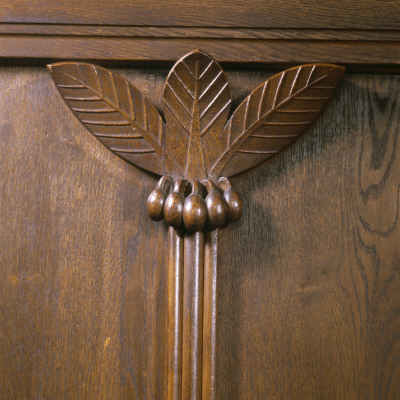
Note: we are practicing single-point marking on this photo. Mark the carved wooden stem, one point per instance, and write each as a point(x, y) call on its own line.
point(210, 316)
point(192, 314)
point(192, 340)
point(174, 316)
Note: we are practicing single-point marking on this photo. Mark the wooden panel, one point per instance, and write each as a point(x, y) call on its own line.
point(198, 32)
point(358, 34)
point(280, 32)
point(309, 288)
point(233, 13)
point(82, 267)
point(378, 50)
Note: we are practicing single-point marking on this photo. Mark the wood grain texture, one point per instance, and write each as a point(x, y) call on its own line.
point(308, 281)
point(309, 287)
point(233, 13)
point(210, 315)
point(196, 104)
point(274, 115)
point(116, 113)
point(192, 339)
point(280, 32)
point(196, 142)
point(358, 54)
point(173, 370)
point(82, 291)
point(165, 32)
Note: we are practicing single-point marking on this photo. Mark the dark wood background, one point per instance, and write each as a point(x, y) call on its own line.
point(368, 14)
point(308, 280)
point(364, 35)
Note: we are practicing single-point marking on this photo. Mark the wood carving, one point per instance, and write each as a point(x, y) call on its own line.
point(196, 143)
point(195, 150)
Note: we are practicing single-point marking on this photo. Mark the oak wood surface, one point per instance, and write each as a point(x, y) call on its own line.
point(165, 32)
point(173, 370)
point(197, 141)
point(308, 281)
point(192, 309)
point(291, 32)
point(223, 13)
point(210, 315)
point(82, 292)
point(309, 286)
point(24, 49)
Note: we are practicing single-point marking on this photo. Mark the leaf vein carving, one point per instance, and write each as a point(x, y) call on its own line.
point(206, 69)
point(113, 99)
point(103, 98)
point(210, 85)
point(277, 89)
point(179, 99)
point(215, 118)
point(258, 151)
point(293, 85)
point(262, 99)
point(247, 128)
point(214, 100)
point(93, 110)
point(96, 98)
point(133, 151)
point(129, 94)
point(187, 130)
point(184, 85)
point(114, 88)
point(118, 123)
point(118, 135)
point(188, 69)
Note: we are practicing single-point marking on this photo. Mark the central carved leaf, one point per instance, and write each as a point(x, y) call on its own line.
point(196, 103)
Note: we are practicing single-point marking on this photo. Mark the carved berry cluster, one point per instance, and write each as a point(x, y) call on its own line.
point(195, 205)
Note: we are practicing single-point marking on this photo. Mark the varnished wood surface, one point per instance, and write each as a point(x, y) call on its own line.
point(338, 50)
point(197, 141)
point(308, 281)
point(83, 279)
point(173, 370)
point(274, 115)
point(192, 338)
point(165, 32)
point(210, 315)
point(311, 275)
point(115, 112)
point(280, 32)
point(224, 13)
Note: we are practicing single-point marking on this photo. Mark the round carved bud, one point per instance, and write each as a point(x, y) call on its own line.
point(173, 209)
point(194, 213)
point(216, 209)
point(155, 204)
point(234, 205)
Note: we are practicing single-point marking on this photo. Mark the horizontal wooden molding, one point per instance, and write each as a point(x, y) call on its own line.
point(356, 48)
point(301, 14)
point(135, 31)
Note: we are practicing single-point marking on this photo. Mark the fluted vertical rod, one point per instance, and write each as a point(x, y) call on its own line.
point(210, 316)
point(174, 315)
point(192, 339)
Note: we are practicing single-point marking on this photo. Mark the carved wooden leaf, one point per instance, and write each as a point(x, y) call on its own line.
point(196, 103)
point(115, 112)
point(274, 115)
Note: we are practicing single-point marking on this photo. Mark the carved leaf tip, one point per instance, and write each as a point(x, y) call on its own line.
point(116, 113)
point(274, 115)
point(196, 103)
